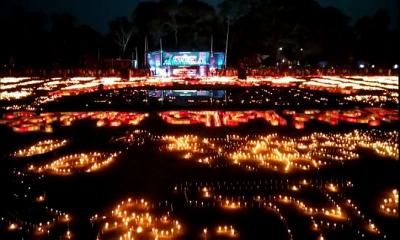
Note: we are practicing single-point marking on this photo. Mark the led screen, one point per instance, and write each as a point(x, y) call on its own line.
point(187, 93)
point(185, 58)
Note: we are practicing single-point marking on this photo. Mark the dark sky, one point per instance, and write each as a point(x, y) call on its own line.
point(97, 13)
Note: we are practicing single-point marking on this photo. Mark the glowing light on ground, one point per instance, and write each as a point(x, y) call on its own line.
point(31, 122)
point(40, 147)
point(192, 147)
point(76, 163)
point(282, 153)
point(136, 219)
point(55, 88)
point(14, 95)
point(12, 227)
point(227, 231)
point(389, 205)
point(330, 213)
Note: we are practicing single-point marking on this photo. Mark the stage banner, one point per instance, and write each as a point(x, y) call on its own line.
point(181, 59)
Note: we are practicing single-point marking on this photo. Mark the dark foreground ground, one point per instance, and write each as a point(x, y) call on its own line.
point(173, 184)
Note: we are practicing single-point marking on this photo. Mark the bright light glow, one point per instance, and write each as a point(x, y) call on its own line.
point(75, 163)
point(4, 95)
point(40, 147)
point(137, 219)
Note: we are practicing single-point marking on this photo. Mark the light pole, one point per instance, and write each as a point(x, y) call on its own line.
point(279, 56)
point(161, 52)
point(145, 51)
point(212, 45)
point(300, 56)
point(226, 44)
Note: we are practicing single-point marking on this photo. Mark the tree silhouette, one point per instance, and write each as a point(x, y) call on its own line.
point(122, 31)
point(306, 32)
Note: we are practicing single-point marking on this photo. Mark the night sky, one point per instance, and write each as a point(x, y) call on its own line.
point(97, 13)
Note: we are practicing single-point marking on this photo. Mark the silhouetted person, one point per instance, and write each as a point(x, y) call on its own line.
point(242, 75)
point(100, 88)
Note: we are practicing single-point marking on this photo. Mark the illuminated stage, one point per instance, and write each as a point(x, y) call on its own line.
point(185, 64)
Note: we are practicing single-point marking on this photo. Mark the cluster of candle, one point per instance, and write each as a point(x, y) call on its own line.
point(382, 146)
point(330, 84)
point(206, 192)
point(232, 205)
point(111, 119)
point(352, 84)
point(54, 88)
point(40, 198)
point(134, 219)
point(40, 147)
point(13, 227)
point(28, 84)
point(332, 187)
point(313, 151)
point(6, 95)
point(135, 138)
point(13, 80)
point(225, 230)
point(192, 147)
point(367, 226)
point(328, 214)
point(371, 227)
point(17, 88)
point(282, 153)
point(386, 82)
point(80, 85)
point(373, 99)
point(38, 230)
point(31, 122)
point(275, 153)
point(45, 228)
point(390, 204)
point(68, 234)
point(45, 223)
point(221, 118)
point(370, 116)
point(116, 119)
point(75, 163)
point(334, 212)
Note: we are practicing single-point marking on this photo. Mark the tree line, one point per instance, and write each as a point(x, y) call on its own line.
point(262, 33)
